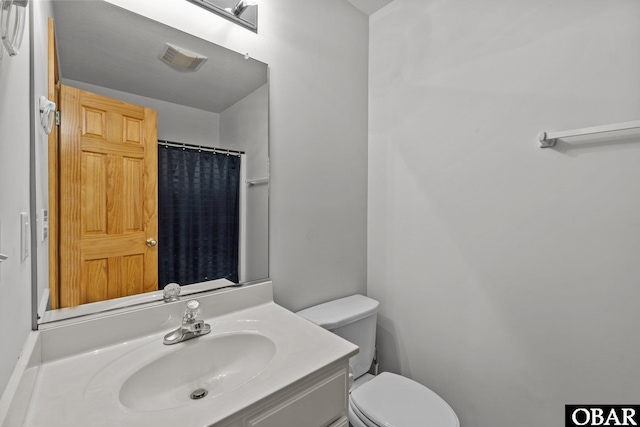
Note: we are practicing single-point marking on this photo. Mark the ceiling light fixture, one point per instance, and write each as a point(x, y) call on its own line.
point(242, 12)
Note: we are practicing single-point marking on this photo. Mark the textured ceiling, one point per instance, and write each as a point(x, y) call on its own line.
point(101, 44)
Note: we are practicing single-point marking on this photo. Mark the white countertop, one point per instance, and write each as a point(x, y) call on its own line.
point(82, 389)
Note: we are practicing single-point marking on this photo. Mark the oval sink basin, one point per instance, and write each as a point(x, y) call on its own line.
point(207, 366)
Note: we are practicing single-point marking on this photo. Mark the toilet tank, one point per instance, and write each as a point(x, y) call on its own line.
point(354, 319)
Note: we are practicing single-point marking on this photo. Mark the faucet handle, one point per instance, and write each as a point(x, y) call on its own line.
point(192, 311)
point(170, 292)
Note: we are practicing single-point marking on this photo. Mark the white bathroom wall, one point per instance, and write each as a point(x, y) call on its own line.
point(508, 275)
point(245, 126)
point(15, 275)
point(175, 122)
point(317, 52)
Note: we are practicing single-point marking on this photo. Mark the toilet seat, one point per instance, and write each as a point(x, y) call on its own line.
point(390, 400)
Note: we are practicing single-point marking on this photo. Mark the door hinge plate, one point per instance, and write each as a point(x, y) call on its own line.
point(57, 118)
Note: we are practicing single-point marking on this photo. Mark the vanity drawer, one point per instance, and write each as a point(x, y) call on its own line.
point(317, 406)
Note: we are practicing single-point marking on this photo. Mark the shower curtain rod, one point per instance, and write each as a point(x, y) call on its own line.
point(185, 146)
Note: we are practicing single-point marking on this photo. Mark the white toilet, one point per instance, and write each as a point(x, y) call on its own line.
point(386, 400)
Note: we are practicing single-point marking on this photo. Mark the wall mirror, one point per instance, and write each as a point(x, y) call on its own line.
point(211, 132)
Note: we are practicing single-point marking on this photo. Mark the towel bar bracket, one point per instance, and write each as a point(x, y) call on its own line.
point(546, 143)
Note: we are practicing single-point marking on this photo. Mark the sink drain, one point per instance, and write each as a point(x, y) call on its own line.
point(199, 394)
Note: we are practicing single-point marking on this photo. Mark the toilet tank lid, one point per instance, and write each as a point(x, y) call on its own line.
point(337, 313)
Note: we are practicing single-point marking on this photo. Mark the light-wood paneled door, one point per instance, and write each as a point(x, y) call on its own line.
point(107, 198)
point(53, 71)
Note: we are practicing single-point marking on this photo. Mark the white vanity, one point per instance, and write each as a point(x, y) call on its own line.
point(261, 365)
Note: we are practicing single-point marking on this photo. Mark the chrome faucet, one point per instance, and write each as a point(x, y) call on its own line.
point(191, 327)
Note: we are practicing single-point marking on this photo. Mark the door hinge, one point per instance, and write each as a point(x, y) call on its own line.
point(57, 118)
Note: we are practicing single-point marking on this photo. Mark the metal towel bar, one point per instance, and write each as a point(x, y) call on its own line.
point(549, 139)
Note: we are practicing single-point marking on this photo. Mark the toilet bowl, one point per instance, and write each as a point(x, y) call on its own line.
point(393, 400)
point(385, 400)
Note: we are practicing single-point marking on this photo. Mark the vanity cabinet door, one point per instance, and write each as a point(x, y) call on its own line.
point(317, 406)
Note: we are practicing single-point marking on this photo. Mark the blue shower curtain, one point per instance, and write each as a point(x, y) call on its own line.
point(198, 216)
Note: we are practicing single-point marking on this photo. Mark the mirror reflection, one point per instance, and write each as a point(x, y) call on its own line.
point(162, 161)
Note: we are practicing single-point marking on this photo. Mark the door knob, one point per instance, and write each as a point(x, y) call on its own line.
point(151, 242)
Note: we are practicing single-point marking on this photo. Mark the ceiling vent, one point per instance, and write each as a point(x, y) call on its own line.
point(181, 59)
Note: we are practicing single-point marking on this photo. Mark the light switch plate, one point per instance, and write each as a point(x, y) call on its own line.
point(24, 236)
